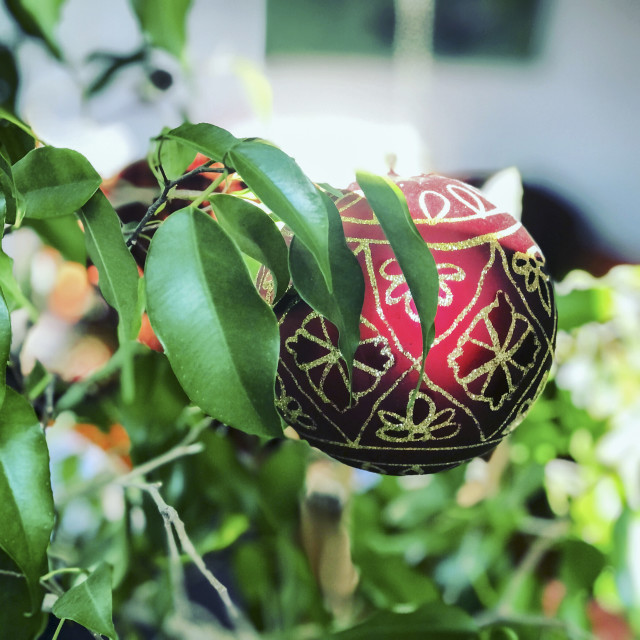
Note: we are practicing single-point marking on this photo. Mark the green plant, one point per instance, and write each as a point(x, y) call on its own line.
point(125, 508)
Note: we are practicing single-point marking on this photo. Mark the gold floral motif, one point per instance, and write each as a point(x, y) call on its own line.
point(291, 410)
point(329, 361)
point(397, 282)
point(403, 428)
point(448, 272)
point(505, 356)
point(531, 267)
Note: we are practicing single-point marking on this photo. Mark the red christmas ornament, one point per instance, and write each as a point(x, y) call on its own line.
point(495, 335)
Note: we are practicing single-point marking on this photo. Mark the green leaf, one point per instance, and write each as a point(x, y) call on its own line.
point(344, 306)
point(166, 27)
point(213, 142)
point(280, 183)
point(581, 565)
point(274, 177)
point(15, 142)
point(38, 18)
point(90, 603)
point(256, 234)
point(54, 182)
point(16, 620)
point(5, 345)
point(26, 501)
point(393, 583)
point(150, 420)
point(63, 234)
point(221, 338)
point(580, 306)
point(411, 251)
point(8, 79)
point(332, 191)
point(498, 633)
point(14, 297)
point(434, 621)
point(174, 156)
point(7, 193)
point(118, 273)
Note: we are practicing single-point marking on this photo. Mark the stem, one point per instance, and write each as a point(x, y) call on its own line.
point(56, 572)
point(172, 519)
point(164, 196)
point(212, 187)
point(11, 574)
point(171, 455)
point(58, 629)
point(184, 448)
point(40, 387)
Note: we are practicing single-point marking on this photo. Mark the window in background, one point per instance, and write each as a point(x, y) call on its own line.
point(463, 28)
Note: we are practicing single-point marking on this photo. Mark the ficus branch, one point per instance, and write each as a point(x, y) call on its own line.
point(164, 196)
point(173, 523)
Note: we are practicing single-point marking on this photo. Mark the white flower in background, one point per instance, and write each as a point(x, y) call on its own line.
point(112, 128)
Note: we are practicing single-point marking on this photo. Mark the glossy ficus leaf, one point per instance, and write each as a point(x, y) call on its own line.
point(54, 182)
point(344, 305)
point(221, 338)
point(332, 191)
point(256, 235)
point(412, 252)
point(16, 619)
point(5, 344)
point(26, 501)
point(7, 192)
point(15, 142)
point(280, 183)
point(434, 621)
point(89, 603)
point(118, 273)
point(63, 234)
point(166, 27)
point(173, 155)
point(213, 142)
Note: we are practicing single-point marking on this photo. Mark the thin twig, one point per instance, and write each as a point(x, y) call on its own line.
point(179, 451)
point(11, 574)
point(171, 518)
point(182, 449)
point(205, 168)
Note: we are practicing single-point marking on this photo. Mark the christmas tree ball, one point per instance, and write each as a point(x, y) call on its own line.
point(495, 333)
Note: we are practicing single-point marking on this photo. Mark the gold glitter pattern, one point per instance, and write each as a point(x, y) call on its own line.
point(531, 267)
point(291, 410)
point(328, 364)
point(495, 336)
point(398, 290)
point(404, 428)
point(507, 357)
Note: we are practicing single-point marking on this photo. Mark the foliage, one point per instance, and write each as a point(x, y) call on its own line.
point(153, 495)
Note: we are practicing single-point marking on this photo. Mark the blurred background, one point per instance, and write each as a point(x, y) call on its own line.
point(463, 87)
point(549, 528)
